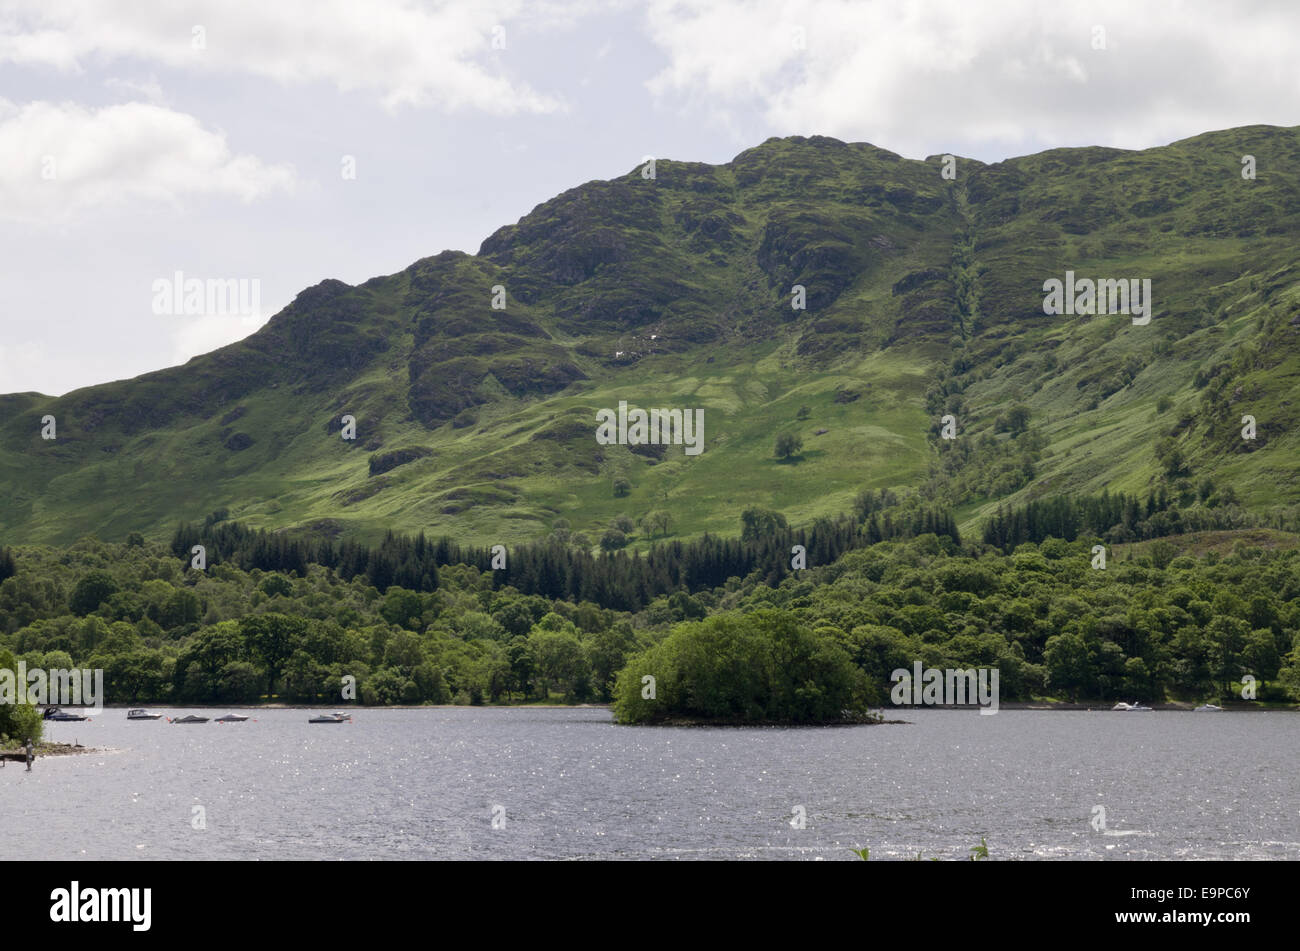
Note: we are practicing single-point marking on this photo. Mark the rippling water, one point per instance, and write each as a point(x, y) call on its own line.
point(425, 784)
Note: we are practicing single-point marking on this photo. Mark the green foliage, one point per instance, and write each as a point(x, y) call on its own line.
point(402, 608)
point(613, 540)
point(19, 722)
point(92, 589)
point(1015, 421)
point(760, 667)
point(240, 682)
point(760, 523)
point(558, 655)
point(277, 586)
point(1170, 456)
point(1071, 664)
point(1125, 518)
point(788, 445)
point(1162, 553)
point(271, 640)
point(656, 522)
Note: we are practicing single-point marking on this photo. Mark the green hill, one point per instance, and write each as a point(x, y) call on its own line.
point(924, 297)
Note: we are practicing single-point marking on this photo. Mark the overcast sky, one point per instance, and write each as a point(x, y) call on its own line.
point(139, 139)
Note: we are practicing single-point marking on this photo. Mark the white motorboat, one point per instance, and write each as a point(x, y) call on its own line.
point(332, 718)
point(1131, 707)
point(1208, 708)
point(231, 718)
point(142, 715)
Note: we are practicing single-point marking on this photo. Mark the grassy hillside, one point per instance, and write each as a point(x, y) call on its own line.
point(924, 296)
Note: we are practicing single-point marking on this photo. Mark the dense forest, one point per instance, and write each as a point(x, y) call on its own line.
point(1151, 625)
point(1118, 518)
point(564, 567)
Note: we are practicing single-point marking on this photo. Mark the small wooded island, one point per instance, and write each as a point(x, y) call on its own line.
point(761, 668)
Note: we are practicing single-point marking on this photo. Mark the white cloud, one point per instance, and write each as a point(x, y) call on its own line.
point(406, 53)
point(25, 367)
point(57, 159)
point(148, 89)
point(913, 77)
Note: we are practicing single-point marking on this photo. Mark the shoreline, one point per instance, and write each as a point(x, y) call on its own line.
point(347, 705)
point(1018, 705)
point(1098, 706)
point(49, 749)
point(756, 724)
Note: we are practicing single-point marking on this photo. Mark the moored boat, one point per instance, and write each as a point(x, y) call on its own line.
point(1131, 706)
point(331, 718)
point(142, 715)
point(54, 714)
point(191, 718)
point(1208, 708)
point(232, 718)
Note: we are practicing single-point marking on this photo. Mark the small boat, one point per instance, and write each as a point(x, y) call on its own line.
point(331, 718)
point(54, 714)
point(1208, 708)
point(1131, 706)
point(231, 718)
point(142, 715)
point(188, 719)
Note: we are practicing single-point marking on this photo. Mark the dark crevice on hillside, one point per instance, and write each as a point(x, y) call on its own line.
point(965, 274)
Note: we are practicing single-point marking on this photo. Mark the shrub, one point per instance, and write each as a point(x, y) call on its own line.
point(787, 445)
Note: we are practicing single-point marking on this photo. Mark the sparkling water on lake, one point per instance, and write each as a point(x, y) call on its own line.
point(569, 784)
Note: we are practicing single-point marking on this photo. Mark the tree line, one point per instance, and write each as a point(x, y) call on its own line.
point(559, 569)
point(1122, 517)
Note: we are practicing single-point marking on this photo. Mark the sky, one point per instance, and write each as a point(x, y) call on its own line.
point(282, 142)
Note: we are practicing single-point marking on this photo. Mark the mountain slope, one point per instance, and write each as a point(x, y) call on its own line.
point(924, 296)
